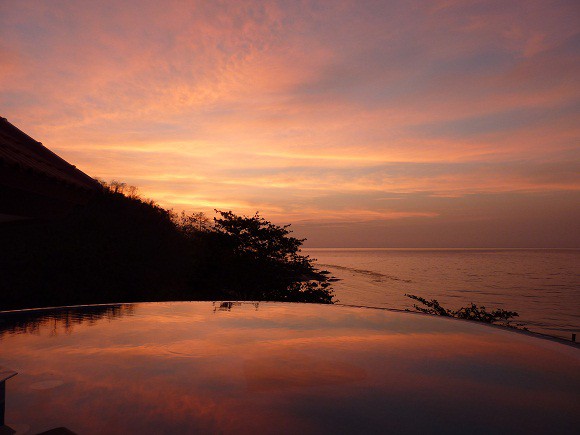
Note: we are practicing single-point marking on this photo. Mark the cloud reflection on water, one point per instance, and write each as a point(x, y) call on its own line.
point(181, 367)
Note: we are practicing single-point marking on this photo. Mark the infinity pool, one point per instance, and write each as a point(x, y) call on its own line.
point(203, 367)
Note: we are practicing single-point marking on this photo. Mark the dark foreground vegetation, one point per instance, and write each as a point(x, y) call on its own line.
point(121, 248)
point(474, 312)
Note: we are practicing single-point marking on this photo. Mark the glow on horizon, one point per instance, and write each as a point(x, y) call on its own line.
point(392, 117)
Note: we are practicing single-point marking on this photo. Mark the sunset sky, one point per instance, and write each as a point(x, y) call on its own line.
point(362, 123)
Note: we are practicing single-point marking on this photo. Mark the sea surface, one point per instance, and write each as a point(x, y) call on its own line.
point(542, 285)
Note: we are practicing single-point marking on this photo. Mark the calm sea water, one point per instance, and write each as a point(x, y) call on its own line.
point(542, 285)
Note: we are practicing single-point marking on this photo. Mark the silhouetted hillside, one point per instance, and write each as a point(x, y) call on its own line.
point(120, 248)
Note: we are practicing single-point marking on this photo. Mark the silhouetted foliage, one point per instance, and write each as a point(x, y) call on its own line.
point(113, 249)
point(122, 248)
point(193, 223)
point(472, 312)
point(249, 258)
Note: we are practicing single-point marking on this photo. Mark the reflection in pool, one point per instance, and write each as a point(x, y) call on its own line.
point(279, 368)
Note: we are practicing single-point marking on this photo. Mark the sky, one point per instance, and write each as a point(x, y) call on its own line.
point(363, 123)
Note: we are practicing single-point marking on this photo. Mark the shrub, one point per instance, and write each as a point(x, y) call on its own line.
point(471, 312)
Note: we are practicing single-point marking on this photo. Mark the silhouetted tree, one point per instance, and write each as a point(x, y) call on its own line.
point(251, 258)
point(192, 223)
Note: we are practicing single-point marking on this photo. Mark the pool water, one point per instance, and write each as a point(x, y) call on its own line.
point(203, 367)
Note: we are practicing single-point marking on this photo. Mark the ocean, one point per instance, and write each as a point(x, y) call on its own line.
point(542, 285)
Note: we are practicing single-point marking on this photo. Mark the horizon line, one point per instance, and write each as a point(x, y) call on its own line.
point(440, 248)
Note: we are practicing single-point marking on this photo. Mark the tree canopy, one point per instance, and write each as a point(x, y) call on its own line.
point(252, 258)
